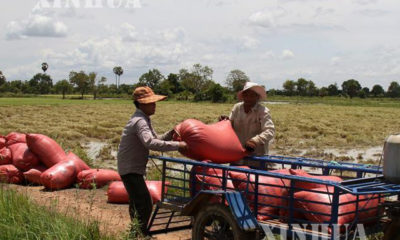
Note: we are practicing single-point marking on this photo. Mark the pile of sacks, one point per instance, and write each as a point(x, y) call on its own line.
point(312, 201)
point(38, 159)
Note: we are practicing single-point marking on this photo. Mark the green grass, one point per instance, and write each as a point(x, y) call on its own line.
point(22, 219)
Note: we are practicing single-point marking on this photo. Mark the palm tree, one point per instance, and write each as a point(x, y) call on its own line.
point(45, 66)
point(118, 71)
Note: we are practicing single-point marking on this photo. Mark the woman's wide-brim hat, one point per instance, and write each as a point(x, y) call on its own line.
point(146, 95)
point(260, 90)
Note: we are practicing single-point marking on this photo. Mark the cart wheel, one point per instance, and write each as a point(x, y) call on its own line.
point(392, 231)
point(216, 222)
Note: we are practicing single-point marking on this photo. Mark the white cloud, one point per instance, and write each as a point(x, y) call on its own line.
point(36, 26)
point(249, 42)
point(262, 19)
point(287, 54)
point(335, 60)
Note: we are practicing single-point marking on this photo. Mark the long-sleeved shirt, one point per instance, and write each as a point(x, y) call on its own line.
point(138, 137)
point(256, 125)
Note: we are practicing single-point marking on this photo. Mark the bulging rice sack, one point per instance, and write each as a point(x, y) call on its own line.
point(98, 178)
point(33, 175)
point(271, 190)
point(59, 176)
point(5, 156)
point(302, 185)
point(2, 142)
point(10, 174)
point(48, 150)
point(216, 142)
point(15, 137)
point(206, 178)
point(322, 204)
point(117, 193)
point(80, 165)
point(22, 157)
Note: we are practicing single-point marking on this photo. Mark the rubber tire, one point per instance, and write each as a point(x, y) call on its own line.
point(392, 231)
point(219, 210)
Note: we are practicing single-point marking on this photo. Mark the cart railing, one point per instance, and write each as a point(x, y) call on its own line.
point(350, 202)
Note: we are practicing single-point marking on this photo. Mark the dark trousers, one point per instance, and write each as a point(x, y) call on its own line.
point(139, 199)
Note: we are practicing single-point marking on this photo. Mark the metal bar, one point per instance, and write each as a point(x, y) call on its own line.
point(163, 181)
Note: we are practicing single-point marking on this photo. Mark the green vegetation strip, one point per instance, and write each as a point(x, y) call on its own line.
point(20, 218)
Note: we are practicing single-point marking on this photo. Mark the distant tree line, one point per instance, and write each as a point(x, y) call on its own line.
point(194, 84)
point(349, 88)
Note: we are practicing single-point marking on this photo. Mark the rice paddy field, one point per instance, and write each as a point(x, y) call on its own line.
point(329, 128)
point(313, 127)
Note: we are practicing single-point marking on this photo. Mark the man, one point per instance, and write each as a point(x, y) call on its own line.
point(252, 121)
point(138, 137)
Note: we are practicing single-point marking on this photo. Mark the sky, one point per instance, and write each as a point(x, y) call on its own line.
point(326, 41)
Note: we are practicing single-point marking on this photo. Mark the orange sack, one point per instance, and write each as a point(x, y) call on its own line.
point(78, 162)
point(271, 190)
point(205, 178)
point(117, 193)
point(59, 176)
point(5, 156)
point(216, 142)
point(322, 203)
point(15, 137)
point(48, 150)
point(301, 185)
point(2, 142)
point(33, 175)
point(10, 174)
point(22, 157)
point(98, 178)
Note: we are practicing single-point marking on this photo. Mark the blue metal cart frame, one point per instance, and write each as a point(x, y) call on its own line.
point(186, 196)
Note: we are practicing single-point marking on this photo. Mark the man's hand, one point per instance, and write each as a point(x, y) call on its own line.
point(223, 117)
point(182, 147)
point(250, 146)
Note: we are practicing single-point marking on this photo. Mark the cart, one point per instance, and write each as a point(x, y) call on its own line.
point(220, 211)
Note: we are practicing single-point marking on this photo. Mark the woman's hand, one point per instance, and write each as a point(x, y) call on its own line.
point(250, 146)
point(223, 117)
point(183, 147)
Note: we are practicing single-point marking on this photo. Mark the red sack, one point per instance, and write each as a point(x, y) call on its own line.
point(2, 142)
point(59, 176)
point(117, 193)
point(5, 156)
point(323, 204)
point(80, 165)
point(14, 137)
point(155, 188)
point(217, 142)
point(245, 183)
point(22, 157)
point(302, 185)
point(10, 174)
point(48, 151)
point(205, 178)
point(87, 179)
point(33, 175)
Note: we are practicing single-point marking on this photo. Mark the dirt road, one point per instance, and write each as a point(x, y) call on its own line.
point(90, 204)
